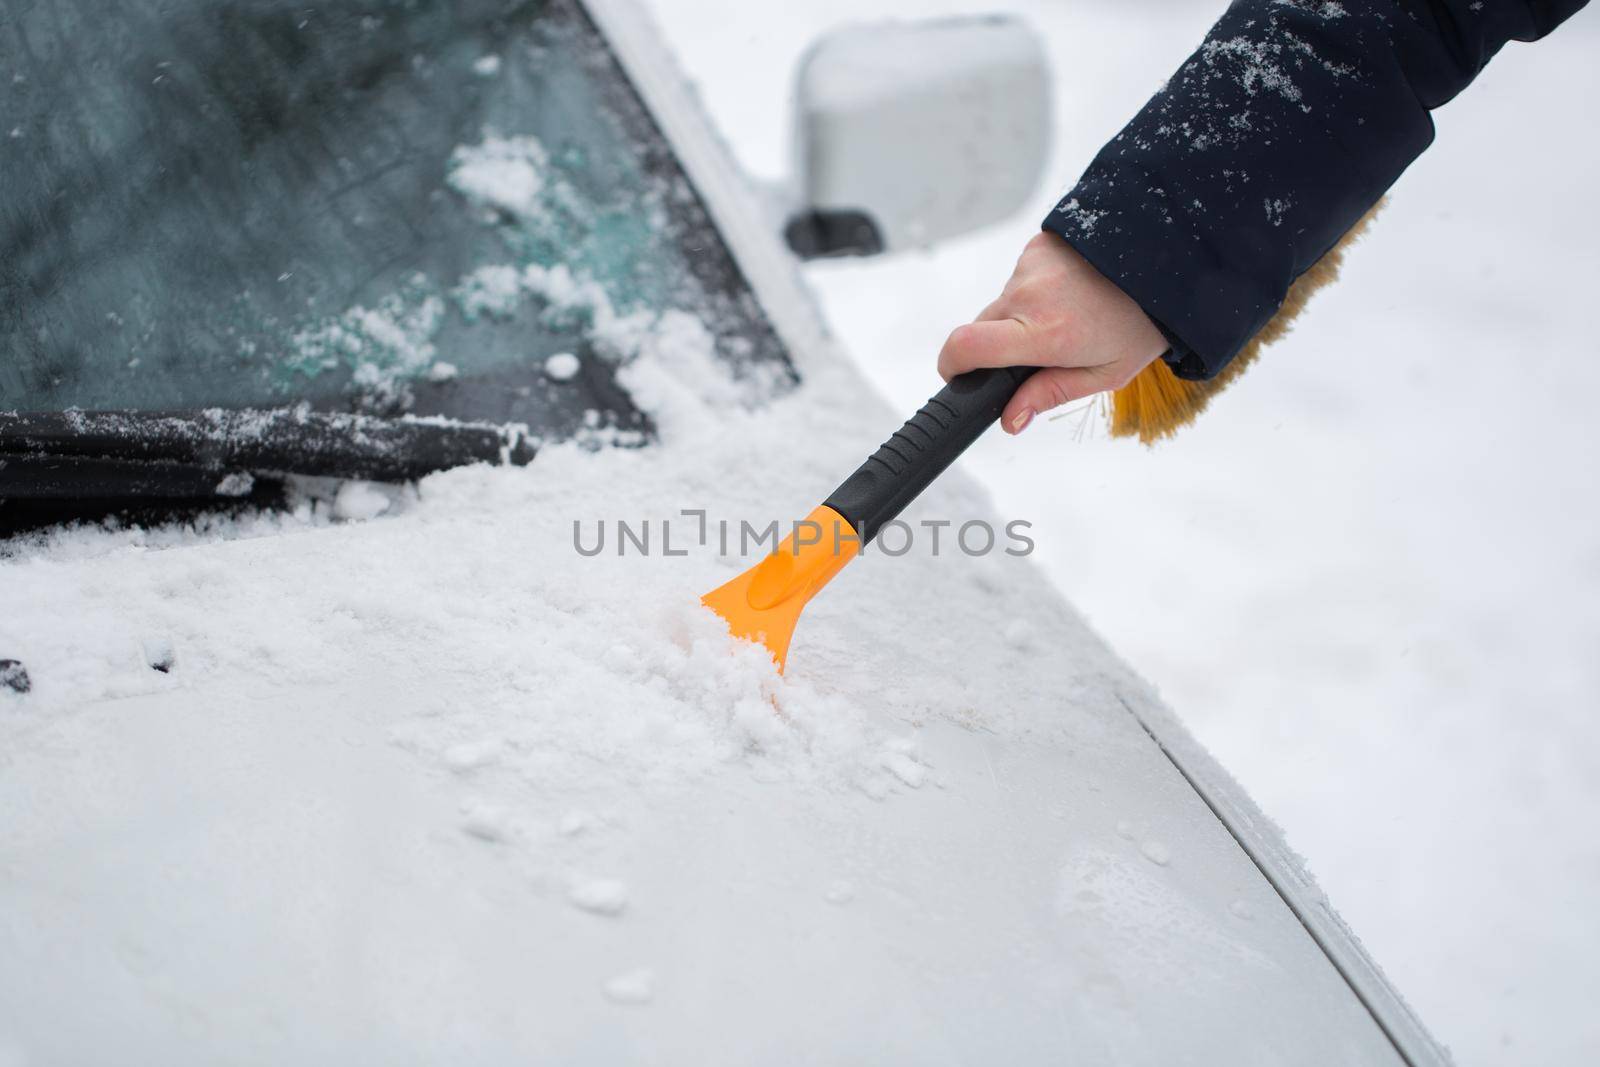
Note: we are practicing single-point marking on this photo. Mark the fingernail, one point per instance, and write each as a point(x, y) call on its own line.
point(1020, 423)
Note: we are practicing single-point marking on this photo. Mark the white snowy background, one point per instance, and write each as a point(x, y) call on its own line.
point(1368, 578)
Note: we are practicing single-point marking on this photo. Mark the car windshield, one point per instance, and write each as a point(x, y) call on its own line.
point(385, 207)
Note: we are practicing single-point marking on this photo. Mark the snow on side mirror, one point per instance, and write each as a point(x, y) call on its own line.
point(908, 133)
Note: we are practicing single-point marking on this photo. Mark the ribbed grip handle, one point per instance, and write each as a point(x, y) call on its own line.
point(919, 451)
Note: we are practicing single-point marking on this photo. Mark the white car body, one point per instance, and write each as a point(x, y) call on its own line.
point(340, 830)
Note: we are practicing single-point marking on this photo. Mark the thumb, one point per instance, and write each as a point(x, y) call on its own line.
point(1050, 388)
point(988, 343)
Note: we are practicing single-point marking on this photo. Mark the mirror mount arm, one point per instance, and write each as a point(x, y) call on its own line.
point(829, 234)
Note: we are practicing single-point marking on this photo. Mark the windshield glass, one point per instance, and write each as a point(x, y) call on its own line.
point(457, 209)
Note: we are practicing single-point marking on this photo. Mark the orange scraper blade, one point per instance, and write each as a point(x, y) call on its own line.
point(764, 603)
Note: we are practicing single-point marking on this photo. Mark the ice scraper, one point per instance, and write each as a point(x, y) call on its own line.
point(764, 603)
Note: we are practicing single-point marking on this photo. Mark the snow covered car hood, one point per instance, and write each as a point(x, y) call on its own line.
point(435, 786)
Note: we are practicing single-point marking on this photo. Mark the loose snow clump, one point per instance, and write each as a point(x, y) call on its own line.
point(503, 173)
point(562, 367)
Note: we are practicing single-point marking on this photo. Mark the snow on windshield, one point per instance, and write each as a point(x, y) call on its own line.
point(404, 211)
point(503, 173)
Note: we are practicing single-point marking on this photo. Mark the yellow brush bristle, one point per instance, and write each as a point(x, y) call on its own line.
point(1157, 403)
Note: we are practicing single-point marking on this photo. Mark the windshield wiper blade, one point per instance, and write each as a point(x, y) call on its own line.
point(53, 477)
point(57, 454)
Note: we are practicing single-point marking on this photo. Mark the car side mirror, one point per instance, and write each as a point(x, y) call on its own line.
point(908, 133)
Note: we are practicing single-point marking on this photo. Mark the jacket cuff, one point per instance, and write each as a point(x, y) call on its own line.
point(1179, 356)
point(1142, 261)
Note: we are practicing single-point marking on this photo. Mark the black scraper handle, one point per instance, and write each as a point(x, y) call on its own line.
point(918, 452)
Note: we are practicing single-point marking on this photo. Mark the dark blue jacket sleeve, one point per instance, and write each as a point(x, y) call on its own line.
point(1290, 122)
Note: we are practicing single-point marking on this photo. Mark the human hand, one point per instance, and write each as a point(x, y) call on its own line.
point(1059, 313)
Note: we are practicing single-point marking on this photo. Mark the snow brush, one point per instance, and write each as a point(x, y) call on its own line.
point(1157, 403)
point(764, 603)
